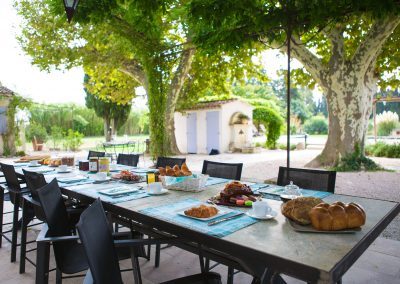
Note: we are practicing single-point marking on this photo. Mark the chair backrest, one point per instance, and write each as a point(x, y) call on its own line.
point(168, 161)
point(11, 180)
point(97, 240)
point(10, 176)
point(308, 178)
point(96, 154)
point(222, 170)
point(56, 217)
point(34, 181)
point(128, 159)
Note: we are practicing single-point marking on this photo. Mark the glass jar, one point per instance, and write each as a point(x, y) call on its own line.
point(104, 165)
point(68, 160)
point(94, 164)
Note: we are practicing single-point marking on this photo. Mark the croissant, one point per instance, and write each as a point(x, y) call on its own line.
point(202, 211)
point(162, 171)
point(176, 168)
point(169, 172)
point(184, 168)
point(337, 216)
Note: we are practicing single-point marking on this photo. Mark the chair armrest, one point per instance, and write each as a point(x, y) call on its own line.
point(143, 242)
point(42, 237)
point(31, 200)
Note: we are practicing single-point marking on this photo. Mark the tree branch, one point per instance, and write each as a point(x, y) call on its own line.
point(335, 36)
point(372, 44)
point(180, 75)
point(134, 70)
point(309, 60)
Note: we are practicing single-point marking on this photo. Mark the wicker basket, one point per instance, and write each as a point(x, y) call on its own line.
point(194, 183)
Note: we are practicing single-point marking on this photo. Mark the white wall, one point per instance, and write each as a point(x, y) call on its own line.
point(180, 131)
point(226, 130)
point(228, 110)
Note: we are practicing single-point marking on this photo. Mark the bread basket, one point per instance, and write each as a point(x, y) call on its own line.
point(193, 183)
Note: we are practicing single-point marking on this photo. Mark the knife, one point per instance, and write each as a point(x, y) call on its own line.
point(212, 223)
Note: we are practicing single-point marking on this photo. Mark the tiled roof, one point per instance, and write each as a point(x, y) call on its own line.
point(211, 104)
point(5, 91)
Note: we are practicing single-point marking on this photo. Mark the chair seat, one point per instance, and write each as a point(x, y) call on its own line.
point(74, 259)
point(202, 278)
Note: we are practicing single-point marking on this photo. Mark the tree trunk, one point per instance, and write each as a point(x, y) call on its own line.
point(107, 124)
point(349, 98)
point(174, 91)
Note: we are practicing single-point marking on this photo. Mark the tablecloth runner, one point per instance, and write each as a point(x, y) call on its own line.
point(276, 190)
point(214, 180)
point(168, 212)
point(94, 192)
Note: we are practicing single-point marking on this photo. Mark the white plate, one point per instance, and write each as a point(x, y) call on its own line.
point(221, 212)
point(271, 215)
point(163, 191)
point(96, 179)
point(34, 166)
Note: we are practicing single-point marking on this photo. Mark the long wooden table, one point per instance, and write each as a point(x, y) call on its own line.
point(264, 247)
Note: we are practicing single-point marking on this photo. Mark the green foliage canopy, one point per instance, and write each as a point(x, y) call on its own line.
point(272, 121)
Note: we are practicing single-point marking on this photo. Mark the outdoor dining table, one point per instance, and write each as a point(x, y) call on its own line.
point(261, 248)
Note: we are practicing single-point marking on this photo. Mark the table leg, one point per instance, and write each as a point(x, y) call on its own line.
point(15, 229)
point(157, 256)
point(24, 230)
point(230, 275)
point(42, 262)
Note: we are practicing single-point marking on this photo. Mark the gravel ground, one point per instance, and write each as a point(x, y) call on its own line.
point(265, 165)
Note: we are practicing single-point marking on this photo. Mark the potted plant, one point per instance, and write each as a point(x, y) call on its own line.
point(38, 135)
point(244, 119)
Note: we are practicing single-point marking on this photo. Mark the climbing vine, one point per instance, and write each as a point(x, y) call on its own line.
point(11, 136)
point(272, 121)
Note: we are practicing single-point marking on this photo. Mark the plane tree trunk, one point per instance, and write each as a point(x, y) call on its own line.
point(348, 85)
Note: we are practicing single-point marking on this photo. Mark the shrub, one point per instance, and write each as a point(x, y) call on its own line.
point(381, 149)
point(316, 125)
point(386, 122)
point(56, 135)
point(73, 140)
point(283, 147)
point(356, 161)
point(272, 121)
point(38, 131)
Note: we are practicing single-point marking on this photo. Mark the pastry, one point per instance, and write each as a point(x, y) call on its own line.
point(162, 171)
point(298, 209)
point(184, 168)
point(202, 211)
point(337, 216)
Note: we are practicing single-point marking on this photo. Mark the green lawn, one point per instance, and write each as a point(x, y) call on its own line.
point(95, 142)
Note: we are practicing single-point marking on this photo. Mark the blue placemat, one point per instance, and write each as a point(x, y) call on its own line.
point(168, 212)
point(257, 186)
point(94, 192)
point(214, 180)
point(277, 190)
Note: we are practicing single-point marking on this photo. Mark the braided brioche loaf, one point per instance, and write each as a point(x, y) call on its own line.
point(337, 216)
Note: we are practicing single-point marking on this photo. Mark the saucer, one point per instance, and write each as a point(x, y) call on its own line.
point(163, 191)
point(271, 215)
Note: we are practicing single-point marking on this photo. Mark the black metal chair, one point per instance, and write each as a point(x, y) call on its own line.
point(222, 170)
point(15, 192)
point(96, 154)
point(128, 159)
point(59, 231)
point(102, 256)
point(321, 180)
point(168, 161)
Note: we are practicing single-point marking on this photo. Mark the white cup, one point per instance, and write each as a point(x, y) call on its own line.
point(155, 187)
point(261, 208)
point(101, 176)
point(62, 168)
point(113, 167)
point(33, 163)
